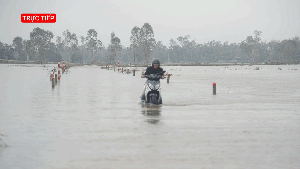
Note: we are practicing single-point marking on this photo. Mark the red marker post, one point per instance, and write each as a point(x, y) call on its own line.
point(59, 75)
point(51, 76)
point(168, 79)
point(53, 83)
point(55, 78)
point(143, 73)
point(64, 65)
point(214, 88)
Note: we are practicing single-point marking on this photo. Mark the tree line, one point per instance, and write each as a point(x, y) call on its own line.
point(143, 48)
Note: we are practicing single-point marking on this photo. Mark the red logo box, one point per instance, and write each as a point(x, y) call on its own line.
point(38, 18)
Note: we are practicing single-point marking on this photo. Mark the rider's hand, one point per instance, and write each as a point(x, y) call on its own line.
point(163, 76)
point(143, 76)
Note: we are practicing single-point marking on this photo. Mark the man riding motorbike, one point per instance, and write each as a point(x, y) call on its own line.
point(154, 69)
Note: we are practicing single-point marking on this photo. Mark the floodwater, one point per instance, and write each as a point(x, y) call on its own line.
point(92, 118)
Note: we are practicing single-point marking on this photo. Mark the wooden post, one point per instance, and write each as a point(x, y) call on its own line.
point(122, 69)
point(214, 88)
point(133, 72)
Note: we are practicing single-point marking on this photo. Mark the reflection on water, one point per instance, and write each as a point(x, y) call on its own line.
point(152, 112)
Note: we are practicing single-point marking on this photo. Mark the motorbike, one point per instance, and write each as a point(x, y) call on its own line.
point(153, 89)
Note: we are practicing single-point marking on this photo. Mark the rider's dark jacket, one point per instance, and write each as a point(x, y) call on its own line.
point(151, 70)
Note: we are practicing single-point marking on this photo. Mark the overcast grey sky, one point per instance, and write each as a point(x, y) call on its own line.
point(203, 20)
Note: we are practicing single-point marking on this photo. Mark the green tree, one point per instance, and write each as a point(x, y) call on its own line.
point(114, 47)
point(8, 52)
point(147, 42)
point(161, 52)
point(92, 43)
point(70, 43)
point(174, 51)
point(61, 47)
point(2, 50)
point(53, 54)
point(82, 48)
point(18, 46)
point(288, 50)
point(27, 48)
point(251, 46)
point(40, 41)
point(135, 40)
point(256, 46)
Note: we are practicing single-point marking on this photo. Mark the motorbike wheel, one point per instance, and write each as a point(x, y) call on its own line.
point(153, 99)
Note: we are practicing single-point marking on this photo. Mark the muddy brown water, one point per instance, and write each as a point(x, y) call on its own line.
point(92, 118)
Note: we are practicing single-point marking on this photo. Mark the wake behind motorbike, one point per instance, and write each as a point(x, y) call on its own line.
point(152, 88)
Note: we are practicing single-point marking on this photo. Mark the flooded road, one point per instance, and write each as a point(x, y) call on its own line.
point(92, 118)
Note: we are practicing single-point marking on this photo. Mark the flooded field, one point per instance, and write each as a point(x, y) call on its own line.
point(92, 118)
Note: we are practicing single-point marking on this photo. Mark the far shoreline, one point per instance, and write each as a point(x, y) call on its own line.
point(4, 61)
